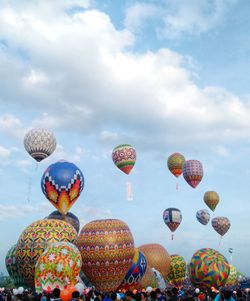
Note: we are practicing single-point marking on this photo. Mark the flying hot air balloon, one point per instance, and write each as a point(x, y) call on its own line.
point(62, 184)
point(172, 218)
point(192, 172)
point(203, 216)
point(221, 225)
point(211, 198)
point(175, 163)
point(39, 143)
point(124, 157)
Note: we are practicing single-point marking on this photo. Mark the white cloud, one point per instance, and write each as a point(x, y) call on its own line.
point(11, 125)
point(4, 152)
point(96, 84)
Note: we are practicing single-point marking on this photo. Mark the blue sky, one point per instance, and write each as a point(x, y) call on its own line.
point(165, 76)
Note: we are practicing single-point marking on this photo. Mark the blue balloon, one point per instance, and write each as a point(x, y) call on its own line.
point(62, 183)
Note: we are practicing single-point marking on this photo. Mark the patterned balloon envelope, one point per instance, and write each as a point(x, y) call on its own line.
point(69, 218)
point(149, 279)
point(221, 224)
point(135, 272)
point(13, 268)
point(232, 279)
point(172, 218)
point(107, 249)
point(177, 272)
point(39, 143)
point(203, 216)
point(175, 164)
point(62, 184)
point(35, 239)
point(192, 172)
point(58, 267)
point(124, 157)
point(211, 198)
point(157, 258)
point(208, 268)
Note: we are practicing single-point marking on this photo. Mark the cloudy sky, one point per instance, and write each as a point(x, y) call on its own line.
point(164, 76)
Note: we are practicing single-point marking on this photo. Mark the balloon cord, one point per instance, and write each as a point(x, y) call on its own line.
point(36, 166)
point(172, 237)
point(177, 186)
point(129, 191)
point(220, 241)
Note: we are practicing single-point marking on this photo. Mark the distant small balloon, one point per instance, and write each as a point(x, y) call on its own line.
point(172, 218)
point(203, 216)
point(175, 163)
point(221, 224)
point(211, 198)
point(124, 157)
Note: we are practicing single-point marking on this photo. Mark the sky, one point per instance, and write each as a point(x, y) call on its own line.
point(165, 76)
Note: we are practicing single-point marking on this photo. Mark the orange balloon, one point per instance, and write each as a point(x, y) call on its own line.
point(157, 258)
point(66, 294)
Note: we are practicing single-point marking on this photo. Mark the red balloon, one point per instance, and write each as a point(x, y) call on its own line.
point(66, 294)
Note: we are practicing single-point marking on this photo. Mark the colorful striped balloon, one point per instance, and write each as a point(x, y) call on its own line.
point(192, 172)
point(124, 157)
point(208, 268)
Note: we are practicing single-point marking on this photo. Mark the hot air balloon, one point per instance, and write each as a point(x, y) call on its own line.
point(211, 198)
point(69, 218)
point(62, 184)
point(232, 279)
point(39, 143)
point(208, 268)
point(221, 225)
point(203, 216)
point(177, 272)
point(107, 249)
point(58, 266)
point(13, 268)
point(35, 239)
point(135, 272)
point(175, 163)
point(149, 279)
point(192, 172)
point(172, 218)
point(157, 258)
point(124, 157)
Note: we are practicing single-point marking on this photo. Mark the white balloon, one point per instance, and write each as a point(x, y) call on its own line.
point(80, 287)
point(149, 289)
point(20, 290)
point(15, 291)
point(197, 291)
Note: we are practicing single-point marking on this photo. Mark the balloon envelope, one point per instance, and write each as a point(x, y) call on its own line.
point(35, 239)
point(13, 268)
point(57, 267)
point(69, 218)
point(221, 224)
point(203, 216)
point(149, 279)
point(62, 184)
point(107, 249)
point(177, 272)
point(192, 172)
point(175, 163)
point(211, 198)
point(172, 218)
point(135, 272)
point(39, 143)
point(157, 258)
point(232, 279)
point(124, 157)
point(208, 268)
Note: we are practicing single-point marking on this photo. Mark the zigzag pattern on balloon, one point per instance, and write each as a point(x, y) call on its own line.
point(208, 268)
point(107, 249)
point(35, 239)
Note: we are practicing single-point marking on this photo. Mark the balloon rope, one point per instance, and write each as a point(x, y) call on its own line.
point(177, 185)
point(36, 166)
point(172, 236)
point(220, 241)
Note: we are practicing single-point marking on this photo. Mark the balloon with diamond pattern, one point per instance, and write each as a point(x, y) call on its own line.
point(192, 172)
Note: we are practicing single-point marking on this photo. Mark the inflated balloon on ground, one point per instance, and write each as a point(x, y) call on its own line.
point(124, 157)
point(69, 218)
point(232, 279)
point(177, 272)
point(39, 143)
point(57, 267)
point(192, 172)
point(149, 279)
point(62, 184)
point(13, 268)
point(135, 272)
point(157, 257)
point(107, 249)
point(208, 268)
point(35, 239)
